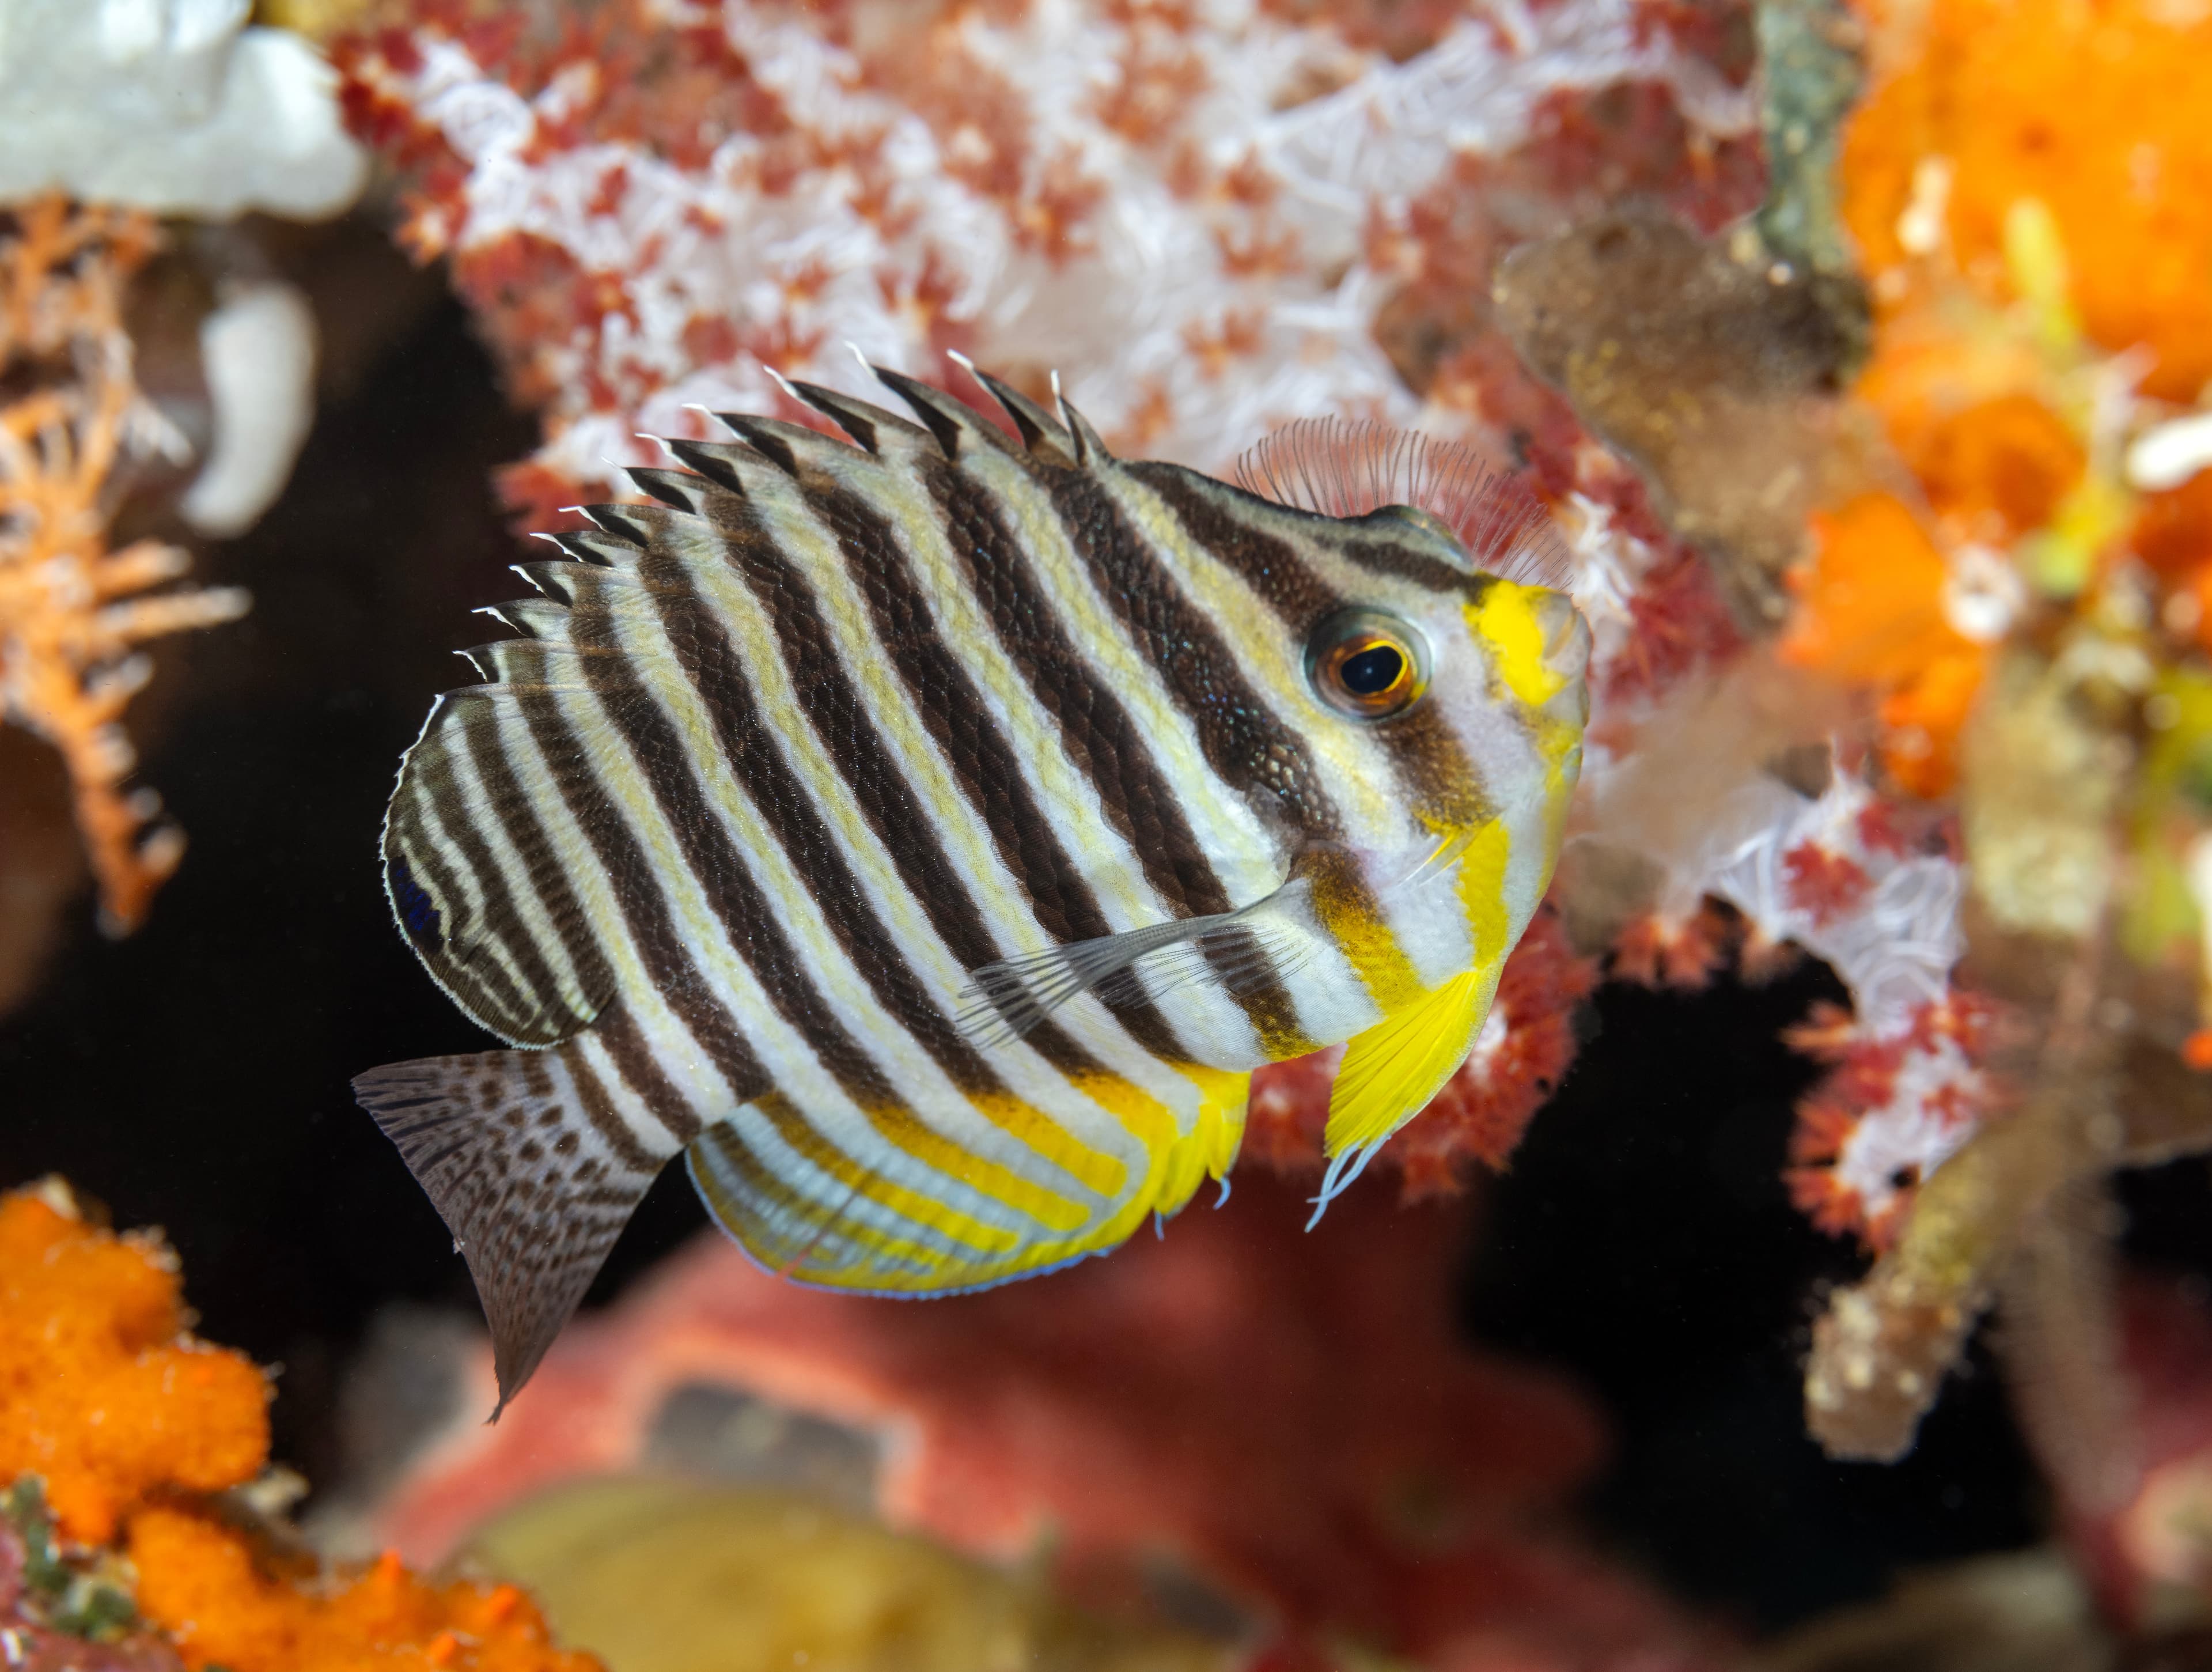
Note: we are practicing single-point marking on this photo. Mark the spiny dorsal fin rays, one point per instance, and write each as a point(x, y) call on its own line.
point(565, 581)
point(948, 418)
point(524, 662)
point(681, 490)
point(871, 426)
point(1090, 451)
point(790, 447)
point(545, 619)
point(717, 461)
point(1041, 432)
point(592, 548)
point(635, 525)
point(554, 576)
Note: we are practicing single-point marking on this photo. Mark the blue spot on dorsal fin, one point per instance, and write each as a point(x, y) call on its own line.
point(418, 912)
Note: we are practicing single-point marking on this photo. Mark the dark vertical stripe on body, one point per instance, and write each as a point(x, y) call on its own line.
point(744, 912)
point(606, 1120)
point(1136, 796)
point(631, 1053)
point(1270, 567)
point(785, 801)
point(503, 916)
point(1247, 747)
point(983, 761)
point(668, 964)
point(1429, 760)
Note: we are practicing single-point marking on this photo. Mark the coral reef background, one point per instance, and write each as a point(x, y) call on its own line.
point(1899, 576)
point(195, 1076)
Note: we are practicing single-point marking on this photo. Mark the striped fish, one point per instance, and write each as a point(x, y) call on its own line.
point(926, 836)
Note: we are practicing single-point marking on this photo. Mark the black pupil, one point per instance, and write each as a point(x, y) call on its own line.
point(1373, 670)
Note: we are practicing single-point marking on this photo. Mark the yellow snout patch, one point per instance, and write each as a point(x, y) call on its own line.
point(1512, 619)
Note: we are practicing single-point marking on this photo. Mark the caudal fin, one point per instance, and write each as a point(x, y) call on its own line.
point(531, 1187)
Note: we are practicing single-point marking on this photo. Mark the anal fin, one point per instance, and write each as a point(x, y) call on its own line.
point(534, 1191)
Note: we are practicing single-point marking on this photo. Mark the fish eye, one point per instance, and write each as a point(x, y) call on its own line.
point(1367, 664)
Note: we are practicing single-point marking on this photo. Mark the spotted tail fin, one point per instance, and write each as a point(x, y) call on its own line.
point(534, 1189)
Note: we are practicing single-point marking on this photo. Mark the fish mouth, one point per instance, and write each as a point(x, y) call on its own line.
point(1567, 638)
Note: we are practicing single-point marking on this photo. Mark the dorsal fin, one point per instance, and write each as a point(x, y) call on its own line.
point(635, 525)
point(533, 617)
point(788, 446)
point(1041, 432)
point(589, 545)
point(870, 427)
point(723, 462)
point(681, 490)
point(1090, 451)
point(951, 421)
point(573, 583)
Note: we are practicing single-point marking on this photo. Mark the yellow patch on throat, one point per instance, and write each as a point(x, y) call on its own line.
point(1506, 619)
point(1482, 891)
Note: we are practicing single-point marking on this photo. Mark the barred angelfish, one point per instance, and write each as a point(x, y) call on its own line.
point(926, 836)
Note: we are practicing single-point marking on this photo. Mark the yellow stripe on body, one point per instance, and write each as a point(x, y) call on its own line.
point(931, 1212)
point(1505, 617)
point(1026, 1115)
point(1346, 904)
point(846, 994)
point(1112, 871)
point(784, 1230)
point(1177, 1167)
point(833, 1220)
point(1482, 891)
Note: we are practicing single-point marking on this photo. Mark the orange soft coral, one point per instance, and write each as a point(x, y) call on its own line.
point(200, 1581)
point(1870, 610)
point(102, 1395)
point(2095, 111)
point(73, 614)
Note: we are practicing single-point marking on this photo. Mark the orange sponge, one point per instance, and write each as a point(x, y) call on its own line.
point(1870, 610)
point(199, 1580)
point(2094, 108)
point(130, 1423)
point(102, 1394)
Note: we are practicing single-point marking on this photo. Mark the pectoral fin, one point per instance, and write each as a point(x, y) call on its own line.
point(1390, 1073)
point(1231, 953)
